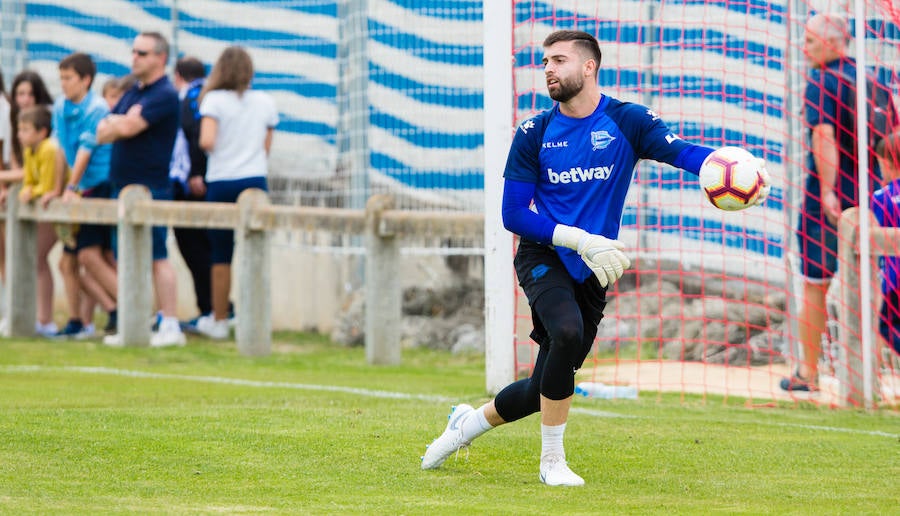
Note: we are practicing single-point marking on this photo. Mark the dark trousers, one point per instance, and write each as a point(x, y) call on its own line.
point(193, 243)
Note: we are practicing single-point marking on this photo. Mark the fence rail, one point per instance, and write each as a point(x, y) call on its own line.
point(253, 218)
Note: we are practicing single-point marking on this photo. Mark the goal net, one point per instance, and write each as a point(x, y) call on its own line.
point(711, 304)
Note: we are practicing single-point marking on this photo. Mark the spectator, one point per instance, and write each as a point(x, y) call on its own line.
point(142, 128)
point(886, 209)
point(236, 129)
point(28, 90)
point(188, 173)
point(40, 171)
point(831, 185)
point(75, 119)
point(115, 87)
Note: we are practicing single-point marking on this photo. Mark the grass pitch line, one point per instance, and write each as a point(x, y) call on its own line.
point(372, 393)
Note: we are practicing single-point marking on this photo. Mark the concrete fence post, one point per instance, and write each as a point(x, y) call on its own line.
point(849, 368)
point(21, 269)
point(383, 287)
point(254, 300)
point(135, 270)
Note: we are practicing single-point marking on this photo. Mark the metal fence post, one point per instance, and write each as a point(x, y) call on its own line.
point(254, 320)
point(135, 270)
point(21, 269)
point(383, 291)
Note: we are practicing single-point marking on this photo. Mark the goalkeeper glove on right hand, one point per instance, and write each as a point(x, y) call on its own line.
point(767, 183)
point(603, 256)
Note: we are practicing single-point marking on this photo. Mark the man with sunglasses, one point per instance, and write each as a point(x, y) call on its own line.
point(142, 128)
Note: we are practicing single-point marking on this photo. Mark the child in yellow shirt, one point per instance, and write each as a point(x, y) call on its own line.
point(40, 181)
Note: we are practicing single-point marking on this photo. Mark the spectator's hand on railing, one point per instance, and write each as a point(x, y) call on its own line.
point(25, 194)
point(71, 196)
point(47, 197)
point(4, 193)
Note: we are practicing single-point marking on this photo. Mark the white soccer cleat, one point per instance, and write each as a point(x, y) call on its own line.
point(555, 472)
point(449, 441)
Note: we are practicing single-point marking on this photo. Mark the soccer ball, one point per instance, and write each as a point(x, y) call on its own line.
point(731, 178)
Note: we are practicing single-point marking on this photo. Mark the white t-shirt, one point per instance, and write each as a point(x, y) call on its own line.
point(5, 129)
point(243, 122)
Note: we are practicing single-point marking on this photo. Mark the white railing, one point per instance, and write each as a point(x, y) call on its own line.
point(253, 218)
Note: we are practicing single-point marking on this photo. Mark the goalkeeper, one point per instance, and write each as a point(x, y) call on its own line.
point(566, 178)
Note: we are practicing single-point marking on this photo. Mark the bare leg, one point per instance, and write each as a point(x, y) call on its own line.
point(98, 267)
point(221, 289)
point(69, 269)
point(166, 289)
point(812, 318)
point(46, 239)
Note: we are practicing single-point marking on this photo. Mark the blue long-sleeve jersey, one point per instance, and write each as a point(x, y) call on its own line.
point(577, 171)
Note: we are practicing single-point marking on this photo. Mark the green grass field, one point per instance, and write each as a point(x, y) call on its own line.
point(312, 429)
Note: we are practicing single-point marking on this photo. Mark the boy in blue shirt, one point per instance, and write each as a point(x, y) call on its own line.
point(75, 118)
point(886, 209)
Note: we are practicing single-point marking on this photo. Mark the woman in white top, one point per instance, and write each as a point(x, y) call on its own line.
point(236, 130)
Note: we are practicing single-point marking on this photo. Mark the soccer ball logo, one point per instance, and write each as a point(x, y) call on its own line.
point(730, 178)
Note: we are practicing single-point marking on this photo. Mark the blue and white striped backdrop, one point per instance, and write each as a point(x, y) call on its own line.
point(425, 84)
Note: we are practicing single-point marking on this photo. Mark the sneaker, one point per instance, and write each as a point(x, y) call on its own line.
point(114, 340)
point(449, 441)
point(555, 472)
point(210, 327)
point(190, 326)
point(112, 324)
point(48, 330)
point(71, 329)
point(155, 320)
point(169, 334)
point(86, 332)
point(797, 383)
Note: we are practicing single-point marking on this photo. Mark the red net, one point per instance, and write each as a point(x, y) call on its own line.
point(713, 302)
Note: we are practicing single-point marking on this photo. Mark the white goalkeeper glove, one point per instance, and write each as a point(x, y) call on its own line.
point(767, 183)
point(603, 256)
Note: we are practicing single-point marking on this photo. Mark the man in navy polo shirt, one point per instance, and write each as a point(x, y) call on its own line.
point(142, 128)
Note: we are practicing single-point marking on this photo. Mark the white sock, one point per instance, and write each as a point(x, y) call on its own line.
point(475, 424)
point(552, 440)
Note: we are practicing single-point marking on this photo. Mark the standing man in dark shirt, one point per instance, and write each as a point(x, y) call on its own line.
point(142, 128)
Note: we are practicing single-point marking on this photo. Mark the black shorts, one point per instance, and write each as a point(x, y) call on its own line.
point(90, 235)
point(539, 270)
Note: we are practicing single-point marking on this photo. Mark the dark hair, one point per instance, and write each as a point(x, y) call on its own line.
point(190, 68)
point(161, 44)
point(38, 116)
point(41, 97)
point(232, 71)
point(586, 43)
point(81, 63)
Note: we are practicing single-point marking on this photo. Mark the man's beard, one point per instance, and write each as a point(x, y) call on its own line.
point(567, 89)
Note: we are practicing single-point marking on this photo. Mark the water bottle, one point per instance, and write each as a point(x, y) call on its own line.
point(605, 392)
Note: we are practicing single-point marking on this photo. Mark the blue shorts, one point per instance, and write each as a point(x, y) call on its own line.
point(889, 322)
point(818, 243)
point(221, 241)
point(158, 233)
